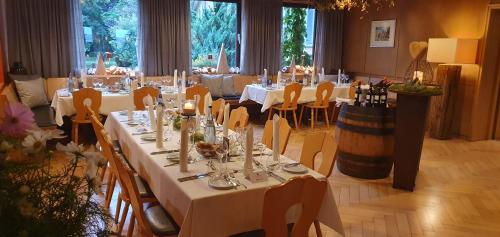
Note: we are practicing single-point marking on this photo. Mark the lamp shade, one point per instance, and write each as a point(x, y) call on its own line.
point(452, 50)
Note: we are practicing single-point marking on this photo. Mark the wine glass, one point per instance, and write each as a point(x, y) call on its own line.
point(222, 149)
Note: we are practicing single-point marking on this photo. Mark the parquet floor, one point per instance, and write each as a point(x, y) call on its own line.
point(457, 193)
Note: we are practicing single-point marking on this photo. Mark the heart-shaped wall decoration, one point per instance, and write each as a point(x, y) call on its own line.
point(416, 47)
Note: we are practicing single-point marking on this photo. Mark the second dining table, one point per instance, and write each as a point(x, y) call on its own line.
point(198, 209)
point(269, 96)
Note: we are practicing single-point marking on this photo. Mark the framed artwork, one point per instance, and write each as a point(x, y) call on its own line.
point(382, 34)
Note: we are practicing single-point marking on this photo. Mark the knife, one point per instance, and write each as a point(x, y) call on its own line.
point(193, 177)
point(142, 133)
point(277, 177)
point(163, 152)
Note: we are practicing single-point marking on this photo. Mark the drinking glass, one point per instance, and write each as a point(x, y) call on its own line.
point(222, 149)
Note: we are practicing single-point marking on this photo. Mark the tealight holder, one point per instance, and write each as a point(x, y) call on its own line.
point(188, 108)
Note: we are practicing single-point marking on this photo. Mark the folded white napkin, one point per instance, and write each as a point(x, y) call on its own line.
point(142, 79)
point(159, 126)
point(183, 151)
point(248, 166)
point(83, 75)
point(130, 109)
point(175, 78)
point(293, 74)
point(221, 109)
point(207, 103)
point(276, 137)
point(196, 102)
point(151, 113)
point(313, 77)
point(225, 123)
point(183, 86)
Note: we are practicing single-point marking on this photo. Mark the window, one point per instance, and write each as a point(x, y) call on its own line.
point(213, 23)
point(110, 28)
point(297, 35)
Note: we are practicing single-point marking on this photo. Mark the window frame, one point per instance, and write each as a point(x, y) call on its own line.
point(308, 6)
point(238, 26)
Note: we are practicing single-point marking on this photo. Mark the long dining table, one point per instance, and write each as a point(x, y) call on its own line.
point(268, 97)
point(62, 102)
point(198, 209)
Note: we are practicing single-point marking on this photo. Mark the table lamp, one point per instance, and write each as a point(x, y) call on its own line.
point(451, 53)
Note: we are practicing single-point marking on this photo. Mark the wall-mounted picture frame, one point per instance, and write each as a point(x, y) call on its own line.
point(382, 34)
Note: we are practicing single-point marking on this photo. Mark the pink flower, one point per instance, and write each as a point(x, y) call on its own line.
point(18, 118)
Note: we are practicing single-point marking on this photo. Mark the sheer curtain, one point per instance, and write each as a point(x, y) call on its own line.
point(261, 36)
point(37, 35)
point(328, 40)
point(164, 36)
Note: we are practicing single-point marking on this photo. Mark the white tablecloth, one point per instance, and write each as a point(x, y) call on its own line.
point(269, 97)
point(198, 209)
point(62, 102)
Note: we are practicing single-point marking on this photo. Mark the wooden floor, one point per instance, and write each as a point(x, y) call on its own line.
point(457, 193)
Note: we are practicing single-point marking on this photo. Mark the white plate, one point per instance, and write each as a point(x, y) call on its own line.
point(297, 169)
point(123, 112)
point(149, 137)
point(220, 184)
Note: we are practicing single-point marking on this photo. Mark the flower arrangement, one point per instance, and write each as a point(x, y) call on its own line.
point(38, 197)
point(415, 87)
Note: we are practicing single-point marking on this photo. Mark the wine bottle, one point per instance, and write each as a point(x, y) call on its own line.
point(209, 127)
point(357, 101)
point(383, 97)
point(369, 96)
point(159, 100)
point(376, 98)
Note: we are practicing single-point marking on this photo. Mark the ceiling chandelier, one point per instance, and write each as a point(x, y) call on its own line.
point(331, 5)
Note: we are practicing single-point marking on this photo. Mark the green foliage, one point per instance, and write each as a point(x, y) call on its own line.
point(105, 18)
point(34, 202)
point(213, 23)
point(294, 35)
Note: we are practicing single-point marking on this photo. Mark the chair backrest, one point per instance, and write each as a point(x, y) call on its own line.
point(86, 97)
point(141, 93)
point(285, 131)
point(315, 143)
point(291, 95)
point(352, 89)
point(111, 155)
point(323, 93)
point(197, 90)
point(96, 125)
point(3, 103)
point(305, 191)
point(127, 182)
point(218, 110)
point(238, 118)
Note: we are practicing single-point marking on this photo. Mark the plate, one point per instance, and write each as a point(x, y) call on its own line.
point(123, 112)
point(149, 137)
point(220, 184)
point(296, 169)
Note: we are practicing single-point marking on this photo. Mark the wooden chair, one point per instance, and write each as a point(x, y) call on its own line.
point(81, 99)
point(154, 220)
point(143, 192)
point(198, 90)
point(305, 191)
point(289, 103)
point(218, 110)
point(238, 118)
point(141, 93)
point(323, 93)
point(314, 144)
point(285, 131)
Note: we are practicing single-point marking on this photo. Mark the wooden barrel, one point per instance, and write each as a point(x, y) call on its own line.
point(365, 139)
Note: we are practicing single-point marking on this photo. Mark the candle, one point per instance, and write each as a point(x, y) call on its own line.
point(419, 75)
point(142, 79)
point(183, 81)
point(339, 76)
point(175, 78)
point(265, 73)
point(188, 107)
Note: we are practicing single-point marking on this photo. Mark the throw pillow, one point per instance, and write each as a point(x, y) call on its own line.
point(228, 86)
point(214, 84)
point(31, 90)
